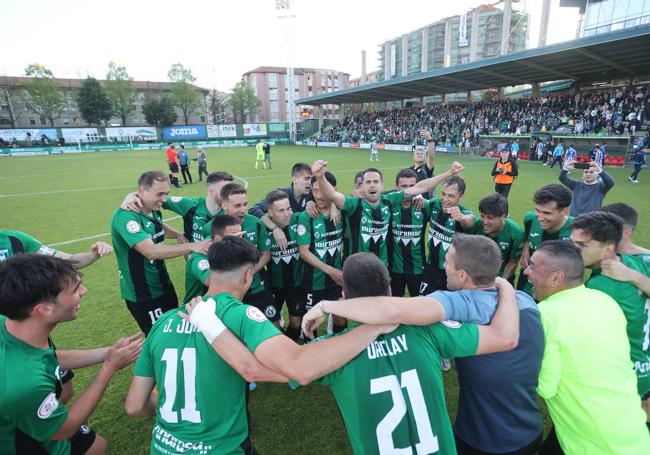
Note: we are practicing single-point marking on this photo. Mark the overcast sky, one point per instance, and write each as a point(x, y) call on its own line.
point(221, 39)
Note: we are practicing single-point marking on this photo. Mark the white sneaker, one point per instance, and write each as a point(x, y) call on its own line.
point(635, 181)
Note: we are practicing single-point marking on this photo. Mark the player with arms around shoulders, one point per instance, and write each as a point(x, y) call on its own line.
point(138, 238)
point(201, 403)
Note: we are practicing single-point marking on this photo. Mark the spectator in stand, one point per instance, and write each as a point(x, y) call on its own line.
point(558, 153)
point(504, 172)
point(638, 160)
point(587, 194)
point(184, 161)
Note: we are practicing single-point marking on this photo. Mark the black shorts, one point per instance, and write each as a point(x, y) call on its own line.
point(80, 442)
point(264, 302)
point(399, 282)
point(173, 167)
point(146, 312)
point(291, 296)
point(433, 279)
point(310, 297)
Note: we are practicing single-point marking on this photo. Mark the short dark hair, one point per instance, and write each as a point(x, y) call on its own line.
point(477, 255)
point(603, 227)
point(407, 173)
point(628, 214)
point(364, 275)
point(232, 253)
point(300, 168)
point(553, 193)
point(494, 204)
point(372, 169)
point(328, 176)
point(29, 279)
point(231, 188)
point(458, 182)
point(148, 179)
point(275, 195)
point(220, 223)
point(218, 176)
point(566, 257)
point(357, 176)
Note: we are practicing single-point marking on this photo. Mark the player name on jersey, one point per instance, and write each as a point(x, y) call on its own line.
point(387, 347)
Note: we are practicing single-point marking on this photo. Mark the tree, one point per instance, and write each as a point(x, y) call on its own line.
point(159, 112)
point(243, 101)
point(120, 91)
point(217, 107)
point(8, 110)
point(183, 94)
point(94, 105)
point(41, 93)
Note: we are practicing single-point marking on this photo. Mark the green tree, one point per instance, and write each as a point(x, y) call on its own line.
point(94, 105)
point(41, 93)
point(120, 90)
point(183, 93)
point(244, 102)
point(159, 112)
point(217, 107)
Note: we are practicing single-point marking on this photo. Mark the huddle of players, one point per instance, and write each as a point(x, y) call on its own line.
point(303, 252)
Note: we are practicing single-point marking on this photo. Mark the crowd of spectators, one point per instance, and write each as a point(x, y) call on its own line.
point(615, 111)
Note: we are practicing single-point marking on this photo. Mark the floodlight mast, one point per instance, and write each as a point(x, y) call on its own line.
point(284, 8)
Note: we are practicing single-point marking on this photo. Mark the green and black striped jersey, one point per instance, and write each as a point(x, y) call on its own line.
point(442, 228)
point(407, 233)
point(195, 215)
point(140, 278)
point(16, 242)
point(325, 241)
point(284, 265)
point(367, 226)
point(510, 240)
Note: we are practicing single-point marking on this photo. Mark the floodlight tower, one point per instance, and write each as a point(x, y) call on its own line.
point(284, 9)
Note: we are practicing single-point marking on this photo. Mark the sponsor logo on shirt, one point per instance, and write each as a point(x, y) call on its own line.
point(204, 264)
point(255, 314)
point(48, 406)
point(133, 226)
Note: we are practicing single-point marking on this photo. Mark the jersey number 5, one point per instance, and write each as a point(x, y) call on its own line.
point(409, 380)
point(189, 413)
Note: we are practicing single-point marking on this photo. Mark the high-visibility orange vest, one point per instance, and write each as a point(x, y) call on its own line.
point(504, 179)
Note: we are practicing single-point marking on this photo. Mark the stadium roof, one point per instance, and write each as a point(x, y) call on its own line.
point(607, 56)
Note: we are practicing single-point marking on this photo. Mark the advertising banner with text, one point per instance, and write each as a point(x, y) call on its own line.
point(184, 132)
point(254, 129)
point(222, 130)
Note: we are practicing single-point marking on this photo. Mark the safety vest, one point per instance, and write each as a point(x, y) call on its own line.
point(504, 179)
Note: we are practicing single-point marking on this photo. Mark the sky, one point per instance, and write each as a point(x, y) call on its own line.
point(219, 40)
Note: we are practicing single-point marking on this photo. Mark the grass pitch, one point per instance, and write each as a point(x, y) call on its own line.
point(68, 201)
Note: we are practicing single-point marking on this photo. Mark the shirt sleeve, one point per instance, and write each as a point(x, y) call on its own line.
point(303, 231)
point(462, 306)
point(127, 224)
point(396, 198)
point(454, 339)
point(263, 242)
point(180, 205)
point(249, 325)
point(350, 204)
point(37, 412)
point(144, 364)
point(200, 269)
point(31, 245)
